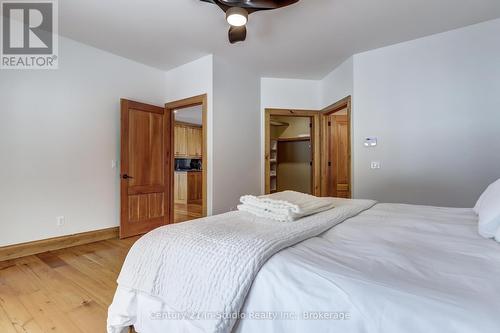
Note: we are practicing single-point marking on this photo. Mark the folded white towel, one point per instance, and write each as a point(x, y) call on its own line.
point(285, 206)
point(264, 213)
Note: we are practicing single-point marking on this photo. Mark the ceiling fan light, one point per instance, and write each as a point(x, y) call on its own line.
point(236, 16)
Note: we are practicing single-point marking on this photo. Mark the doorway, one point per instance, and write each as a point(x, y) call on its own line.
point(336, 149)
point(189, 158)
point(292, 151)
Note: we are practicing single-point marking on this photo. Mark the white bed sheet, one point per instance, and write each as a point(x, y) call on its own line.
point(394, 268)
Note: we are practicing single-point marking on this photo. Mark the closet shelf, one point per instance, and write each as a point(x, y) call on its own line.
point(278, 123)
point(295, 138)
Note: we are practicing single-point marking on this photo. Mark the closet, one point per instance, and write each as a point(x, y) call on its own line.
point(290, 154)
point(309, 150)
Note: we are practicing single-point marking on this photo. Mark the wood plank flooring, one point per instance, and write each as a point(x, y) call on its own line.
point(186, 212)
point(66, 291)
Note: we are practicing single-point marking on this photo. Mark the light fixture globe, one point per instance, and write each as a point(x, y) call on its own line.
point(236, 16)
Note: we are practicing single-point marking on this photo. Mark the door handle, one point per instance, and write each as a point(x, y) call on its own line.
point(125, 176)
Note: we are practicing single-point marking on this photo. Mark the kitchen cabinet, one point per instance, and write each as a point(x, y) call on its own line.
point(180, 140)
point(188, 187)
point(188, 141)
point(180, 187)
point(194, 184)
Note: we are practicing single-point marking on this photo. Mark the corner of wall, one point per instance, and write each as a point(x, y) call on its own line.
point(192, 79)
point(338, 84)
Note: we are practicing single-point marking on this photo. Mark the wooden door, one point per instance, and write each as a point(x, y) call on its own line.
point(145, 168)
point(339, 155)
point(180, 141)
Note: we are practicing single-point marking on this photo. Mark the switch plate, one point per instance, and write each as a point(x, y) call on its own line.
point(375, 165)
point(60, 220)
point(113, 164)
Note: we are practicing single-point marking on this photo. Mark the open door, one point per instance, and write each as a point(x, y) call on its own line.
point(336, 150)
point(339, 156)
point(145, 186)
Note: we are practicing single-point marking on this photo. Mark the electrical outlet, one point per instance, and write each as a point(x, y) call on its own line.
point(60, 221)
point(375, 165)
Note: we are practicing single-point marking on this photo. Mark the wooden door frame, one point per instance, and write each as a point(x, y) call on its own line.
point(344, 103)
point(182, 104)
point(315, 142)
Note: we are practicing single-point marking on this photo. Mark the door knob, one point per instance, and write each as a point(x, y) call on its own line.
point(125, 176)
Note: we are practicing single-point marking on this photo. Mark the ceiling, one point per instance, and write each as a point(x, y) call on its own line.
point(190, 115)
point(306, 40)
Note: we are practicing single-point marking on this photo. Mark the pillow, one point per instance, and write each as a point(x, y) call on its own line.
point(478, 203)
point(489, 211)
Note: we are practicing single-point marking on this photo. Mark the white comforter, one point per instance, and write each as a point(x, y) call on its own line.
point(391, 269)
point(206, 267)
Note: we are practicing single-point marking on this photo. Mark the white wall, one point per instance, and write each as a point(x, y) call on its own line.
point(192, 79)
point(434, 104)
point(233, 125)
point(236, 133)
point(338, 84)
point(59, 131)
point(290, 93)
point(285, 94)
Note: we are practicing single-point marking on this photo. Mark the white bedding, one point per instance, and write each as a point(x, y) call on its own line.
point(206, 267)
point(393, 268)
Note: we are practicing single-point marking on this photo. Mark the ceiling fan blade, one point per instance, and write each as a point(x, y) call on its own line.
point(218, 3)
point(237, 34)
point(258, 4)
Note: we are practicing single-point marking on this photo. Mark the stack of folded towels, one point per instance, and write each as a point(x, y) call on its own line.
point(284, 206)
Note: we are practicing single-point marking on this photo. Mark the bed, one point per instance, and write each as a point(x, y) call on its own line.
point(389, 268)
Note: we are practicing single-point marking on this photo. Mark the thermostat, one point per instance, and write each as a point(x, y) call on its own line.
point(370, 142)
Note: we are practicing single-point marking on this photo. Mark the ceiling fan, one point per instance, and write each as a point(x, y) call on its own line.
point(237, 12)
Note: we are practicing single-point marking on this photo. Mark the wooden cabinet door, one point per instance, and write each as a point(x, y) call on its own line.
point(188, 141)
point(199, 186)
point(339, 156)
point(199, 142)
point(191, 141)
point(145, 166)
point(180, 187)
point(194, 141)
point(181, 138)
point(194, 187)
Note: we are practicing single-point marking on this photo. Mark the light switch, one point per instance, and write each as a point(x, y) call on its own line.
point(113, 164)
point(375, 165)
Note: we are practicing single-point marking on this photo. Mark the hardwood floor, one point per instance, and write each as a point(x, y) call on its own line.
point(66, 291)
point(186, 212)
